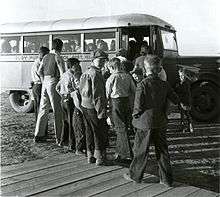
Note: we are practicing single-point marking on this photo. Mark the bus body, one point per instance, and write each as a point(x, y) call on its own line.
point(20, 43)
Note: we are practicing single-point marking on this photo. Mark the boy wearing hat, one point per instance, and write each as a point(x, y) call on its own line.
point(150, 108)
point(92, 90)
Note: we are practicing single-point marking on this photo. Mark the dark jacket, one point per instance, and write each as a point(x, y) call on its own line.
point(152, 94)
point(92, 90)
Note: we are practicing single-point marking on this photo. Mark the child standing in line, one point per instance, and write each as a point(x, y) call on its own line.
point(65, 87)
point(184, 93)
point(78, 119)
point(119, 88)
point(151, 122)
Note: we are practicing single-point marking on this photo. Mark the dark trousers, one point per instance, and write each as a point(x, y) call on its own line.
point(79, 129)
point(141, 152)
point(67, 135)
point(96, 134)
point(36, 89)
point(121, 116)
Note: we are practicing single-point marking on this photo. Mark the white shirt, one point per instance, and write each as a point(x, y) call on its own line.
point(34, 69)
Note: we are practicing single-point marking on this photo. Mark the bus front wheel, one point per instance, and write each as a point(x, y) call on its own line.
point(21, 101)
point(205, 101)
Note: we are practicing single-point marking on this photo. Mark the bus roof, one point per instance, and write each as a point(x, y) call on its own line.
point(84, 23)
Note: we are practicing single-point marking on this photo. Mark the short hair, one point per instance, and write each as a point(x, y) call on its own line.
point(44, 50)
point(153, 63)
point(115, 63)
point(57, 44)
point(73, 62)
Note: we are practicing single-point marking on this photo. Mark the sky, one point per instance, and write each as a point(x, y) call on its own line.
point(196, 21)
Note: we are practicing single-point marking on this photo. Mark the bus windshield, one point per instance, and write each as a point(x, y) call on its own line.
point(169, 40)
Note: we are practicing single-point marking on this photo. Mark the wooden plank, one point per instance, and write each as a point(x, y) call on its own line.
point(39, 173)
point(42, 186)
point(40, 166)
point(179, 191)
point(125, 189)
point(46, 177)
point(70, 188)
point(152, 190)
point(37, 162)
point(103, 186)
point(203, 193)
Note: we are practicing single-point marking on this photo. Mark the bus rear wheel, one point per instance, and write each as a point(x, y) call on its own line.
point(205, 101)
point(21, 101)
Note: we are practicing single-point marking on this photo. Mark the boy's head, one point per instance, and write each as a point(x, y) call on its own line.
point(99, 58)
point(57, 44)
point(114, 64)
point(43, 51)
point(152, 64)
point(73, 63)
point(137, 74)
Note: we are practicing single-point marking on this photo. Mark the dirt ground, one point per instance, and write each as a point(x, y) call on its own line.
point(195, 157)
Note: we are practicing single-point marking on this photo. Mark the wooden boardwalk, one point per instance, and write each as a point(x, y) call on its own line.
point(70, 175)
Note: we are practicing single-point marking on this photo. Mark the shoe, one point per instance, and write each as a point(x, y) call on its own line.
point(166, 184)
point(79, 152)
point(58, 141)
point(99, 162)
point(127, 177)
point(191, 128)
point(91, 160)
point(38, 139)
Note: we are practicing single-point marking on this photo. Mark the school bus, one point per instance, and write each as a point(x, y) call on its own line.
point(20, 43)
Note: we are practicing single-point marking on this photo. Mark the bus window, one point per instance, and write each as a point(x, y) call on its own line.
point(32, 44)
point(71, 42)
point(169, 41)
point(103, 40)
point(10, 44)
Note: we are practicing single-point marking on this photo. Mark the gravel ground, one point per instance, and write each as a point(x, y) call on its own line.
point(195, 157)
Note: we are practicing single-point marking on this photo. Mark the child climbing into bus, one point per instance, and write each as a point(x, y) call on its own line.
point(183, 91)
point(119, 88)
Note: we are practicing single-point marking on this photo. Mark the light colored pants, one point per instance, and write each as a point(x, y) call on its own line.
point(49, 97)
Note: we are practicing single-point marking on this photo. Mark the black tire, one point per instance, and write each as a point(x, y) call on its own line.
point(205, 101)
point(21, 101)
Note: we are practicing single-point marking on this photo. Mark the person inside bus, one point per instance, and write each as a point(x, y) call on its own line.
point(6, 47)
point(149, 117)
point(36, 80)
point(91, 47)
point(112, 45)
point(77, 46)
point(102, 45)
point(94, 103)
point(50, 70)
point(120, 88)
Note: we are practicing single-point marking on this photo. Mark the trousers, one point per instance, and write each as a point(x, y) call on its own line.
point(96, 134)
point(141, 152)
point(49, 97)
point(121, 116)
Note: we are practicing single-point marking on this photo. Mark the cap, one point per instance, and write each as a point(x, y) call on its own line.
point(99, 54)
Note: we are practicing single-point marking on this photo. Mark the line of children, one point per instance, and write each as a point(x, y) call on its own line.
point(84, 106)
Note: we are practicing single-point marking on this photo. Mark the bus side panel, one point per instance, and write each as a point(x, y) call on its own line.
point(11, 75)
point(26, 74)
